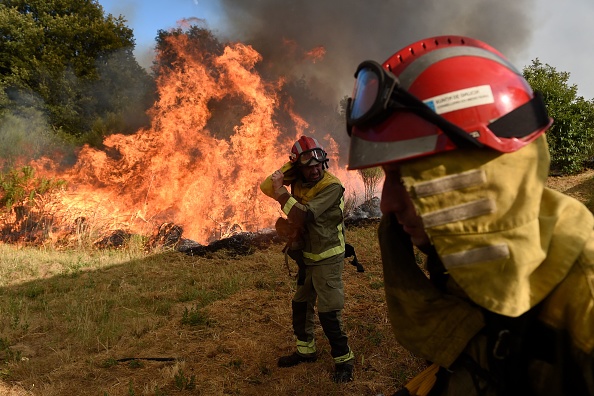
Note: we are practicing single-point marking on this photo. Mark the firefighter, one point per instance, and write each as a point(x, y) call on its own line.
point(508, 306)
point(314, 210)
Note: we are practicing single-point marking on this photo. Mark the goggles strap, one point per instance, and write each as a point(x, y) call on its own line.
point(408, 102)
point(523, 120)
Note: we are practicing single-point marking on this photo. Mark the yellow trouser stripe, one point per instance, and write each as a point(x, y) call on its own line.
point(344, 358)
point(305, 347)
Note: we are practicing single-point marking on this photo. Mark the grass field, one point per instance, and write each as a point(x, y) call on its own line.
point(125, 322)
point(129, 323)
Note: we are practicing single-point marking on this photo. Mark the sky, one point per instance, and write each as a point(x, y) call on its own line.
point(556, 32)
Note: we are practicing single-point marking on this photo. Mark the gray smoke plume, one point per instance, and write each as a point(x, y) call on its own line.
point(351, 31)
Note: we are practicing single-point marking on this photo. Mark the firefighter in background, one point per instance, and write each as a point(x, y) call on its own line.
point(314, 210)
point(508, 307)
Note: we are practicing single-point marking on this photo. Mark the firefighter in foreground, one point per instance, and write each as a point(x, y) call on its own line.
point(314, 210)
point(508, 307)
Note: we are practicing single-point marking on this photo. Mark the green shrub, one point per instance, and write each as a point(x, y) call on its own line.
point(20, 186)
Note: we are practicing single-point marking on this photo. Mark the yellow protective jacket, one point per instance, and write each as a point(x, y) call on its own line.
point(317, 210)
point(513, 254)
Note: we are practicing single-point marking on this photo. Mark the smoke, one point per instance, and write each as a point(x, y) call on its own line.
point(24, 130)
point(352, 31)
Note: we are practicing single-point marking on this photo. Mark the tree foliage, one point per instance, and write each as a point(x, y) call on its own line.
point(570, 137)
point(78, 61)
point(200, 43)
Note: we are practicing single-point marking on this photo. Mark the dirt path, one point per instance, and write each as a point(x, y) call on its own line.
point(579, 186)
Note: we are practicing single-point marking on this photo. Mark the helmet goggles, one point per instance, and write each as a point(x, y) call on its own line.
point(307, 157)
point(440, 94)
point(377, 94)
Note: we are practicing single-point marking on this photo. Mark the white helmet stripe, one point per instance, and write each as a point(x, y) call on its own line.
point(316, 142)
point(420, 64)
point(301, 149)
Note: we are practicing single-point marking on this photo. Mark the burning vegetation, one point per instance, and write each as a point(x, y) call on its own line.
point(220, 126)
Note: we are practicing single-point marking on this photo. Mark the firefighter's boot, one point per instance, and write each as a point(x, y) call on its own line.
point(343, 372)
point(296, 358)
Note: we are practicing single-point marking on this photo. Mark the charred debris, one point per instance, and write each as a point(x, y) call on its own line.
point(169, 236)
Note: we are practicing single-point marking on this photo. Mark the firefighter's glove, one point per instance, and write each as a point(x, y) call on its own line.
point(283, 228)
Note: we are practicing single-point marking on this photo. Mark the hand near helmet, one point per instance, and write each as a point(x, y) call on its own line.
point(289, 175)
point(305, 152)
point(277, 178)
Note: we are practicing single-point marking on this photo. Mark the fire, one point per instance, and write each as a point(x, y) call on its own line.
point(178, 170)
point(316, 54)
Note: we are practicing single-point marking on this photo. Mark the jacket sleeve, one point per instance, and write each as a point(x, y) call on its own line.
point(290, 175)
point(431, 324)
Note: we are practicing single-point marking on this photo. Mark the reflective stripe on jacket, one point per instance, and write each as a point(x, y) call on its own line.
point(318, 209)
point(323, 230)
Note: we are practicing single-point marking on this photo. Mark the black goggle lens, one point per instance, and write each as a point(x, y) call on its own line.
point(365, 93)
point(372, 92)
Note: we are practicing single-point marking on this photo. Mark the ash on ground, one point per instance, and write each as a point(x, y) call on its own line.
point(364, 213)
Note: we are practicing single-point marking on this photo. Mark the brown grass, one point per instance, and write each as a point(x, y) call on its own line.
point(126, 323)
point(172, 324)
point(579, 186)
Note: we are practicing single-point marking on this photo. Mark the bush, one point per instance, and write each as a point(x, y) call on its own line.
point(371, 179)
point(570, 137)
point(20, 186)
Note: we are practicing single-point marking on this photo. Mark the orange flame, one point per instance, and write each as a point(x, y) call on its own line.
point(179, 171)
point(316, 54)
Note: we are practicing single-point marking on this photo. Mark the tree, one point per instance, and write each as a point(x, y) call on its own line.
point(570, 137)
point(63, 51)
point(199, 43)
point(371, 178)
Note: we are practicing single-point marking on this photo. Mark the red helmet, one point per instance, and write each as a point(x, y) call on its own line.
point(440, 94)
point(307, 149)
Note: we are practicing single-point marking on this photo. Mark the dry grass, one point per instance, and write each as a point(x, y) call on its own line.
point(579, 186)
point(169, 324)
point(128, 323)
